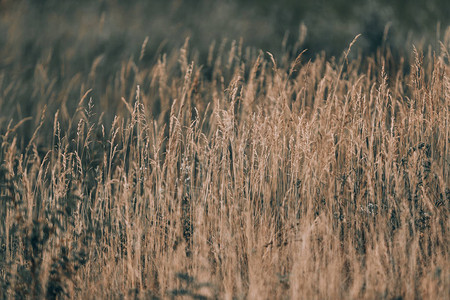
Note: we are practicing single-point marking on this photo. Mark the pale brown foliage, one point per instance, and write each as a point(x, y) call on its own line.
point(289, 179)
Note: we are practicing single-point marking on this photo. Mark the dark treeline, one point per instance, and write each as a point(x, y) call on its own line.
point(261, 23)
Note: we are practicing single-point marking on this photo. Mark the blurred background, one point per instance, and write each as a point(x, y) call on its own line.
point(53, 46)
point(118, 27)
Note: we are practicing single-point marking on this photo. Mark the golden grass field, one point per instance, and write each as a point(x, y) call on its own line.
point(251, 176)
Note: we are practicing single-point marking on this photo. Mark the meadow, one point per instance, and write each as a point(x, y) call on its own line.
point(235, 175)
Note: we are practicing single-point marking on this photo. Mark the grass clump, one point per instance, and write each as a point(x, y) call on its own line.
point(251, 176)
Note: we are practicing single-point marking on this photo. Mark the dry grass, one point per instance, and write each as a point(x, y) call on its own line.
point(250, 177)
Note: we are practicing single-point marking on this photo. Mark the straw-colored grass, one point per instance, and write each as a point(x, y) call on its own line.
point(252, 176)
